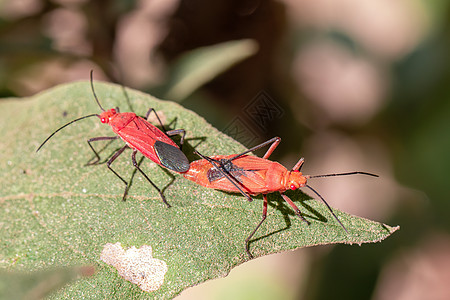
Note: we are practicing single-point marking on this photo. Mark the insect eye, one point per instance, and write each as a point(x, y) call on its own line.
point(293, 187)
point(103, 120)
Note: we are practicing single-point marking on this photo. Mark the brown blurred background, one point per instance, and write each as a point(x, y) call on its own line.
point(349, 85)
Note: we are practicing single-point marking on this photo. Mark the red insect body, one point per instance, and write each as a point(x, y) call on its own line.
point(252, 175)
point(256, 175)
point(139, 134)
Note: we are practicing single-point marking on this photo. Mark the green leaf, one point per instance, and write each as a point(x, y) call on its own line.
point(201, 65)
point(56, 211)
point(38, 284)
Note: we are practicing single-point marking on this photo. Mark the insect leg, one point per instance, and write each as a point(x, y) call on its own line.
point(136, 165)
point(167, 132)
point(299, 164)
point(182, 132)
point(101, 138)
point(157, 117)
point(264, 215)
point(110, 161)
point(274, 141)
point(297, 211)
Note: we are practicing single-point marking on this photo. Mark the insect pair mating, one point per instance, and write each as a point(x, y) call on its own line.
point(246, 174)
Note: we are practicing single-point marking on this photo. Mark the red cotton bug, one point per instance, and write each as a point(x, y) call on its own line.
point(251, 175)
point(139, 135)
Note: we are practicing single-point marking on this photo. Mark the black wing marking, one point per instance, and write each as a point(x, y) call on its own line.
point(171, 157)
point(228, 167)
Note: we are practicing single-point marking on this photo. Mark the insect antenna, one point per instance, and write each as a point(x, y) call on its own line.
point(93, 91)
point(73, 121)
point(124, 91)
point(343, 174)
point(329, 207)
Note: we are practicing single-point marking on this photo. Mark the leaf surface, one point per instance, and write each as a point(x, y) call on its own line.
point(56, 211)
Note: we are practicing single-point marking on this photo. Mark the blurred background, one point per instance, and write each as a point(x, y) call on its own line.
point(347, 84)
